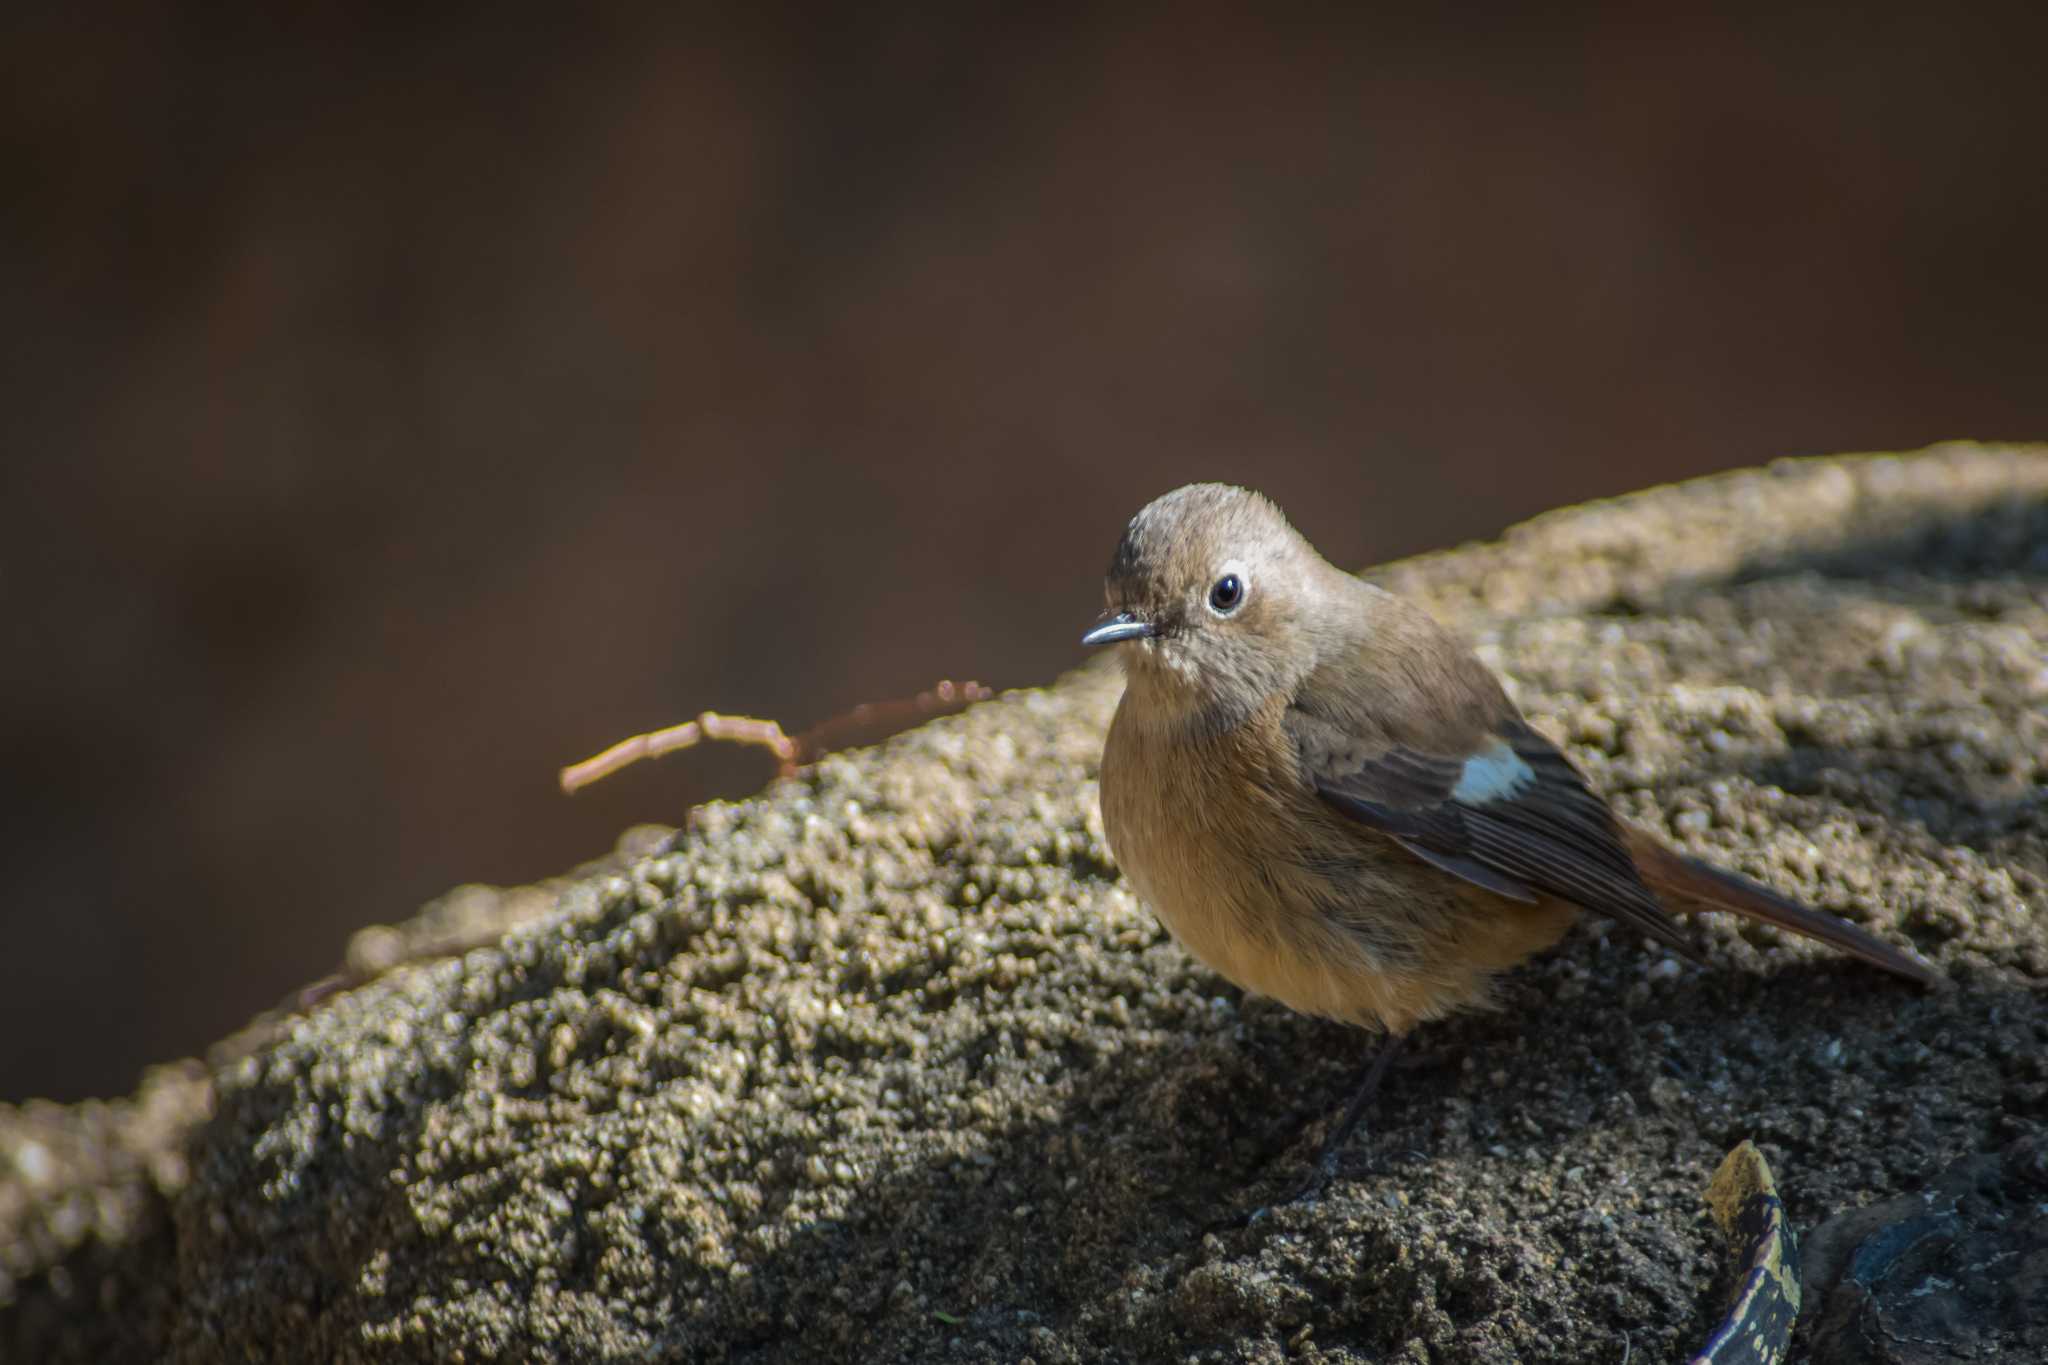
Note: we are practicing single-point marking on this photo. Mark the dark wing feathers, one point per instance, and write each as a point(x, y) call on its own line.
point(1548, 835)
point(1411, 778)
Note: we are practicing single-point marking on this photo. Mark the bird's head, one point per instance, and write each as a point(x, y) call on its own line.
point(1208, 594)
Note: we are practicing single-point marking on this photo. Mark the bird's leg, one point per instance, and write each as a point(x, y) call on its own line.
point(1368, 1086)
point(1325, 1166)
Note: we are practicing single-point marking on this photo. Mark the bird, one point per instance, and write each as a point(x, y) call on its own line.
point(1330, 800)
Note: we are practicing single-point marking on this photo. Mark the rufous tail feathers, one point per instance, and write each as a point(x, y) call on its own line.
point(1673, 875)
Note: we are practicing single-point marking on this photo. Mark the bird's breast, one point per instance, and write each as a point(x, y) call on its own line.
point(1223, 838)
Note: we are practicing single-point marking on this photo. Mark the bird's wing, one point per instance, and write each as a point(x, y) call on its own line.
point(1505, 811)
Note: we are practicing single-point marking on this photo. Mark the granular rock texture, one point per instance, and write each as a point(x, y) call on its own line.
point(886, 1063)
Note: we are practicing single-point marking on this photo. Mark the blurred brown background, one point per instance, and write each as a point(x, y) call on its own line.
point(399, 408)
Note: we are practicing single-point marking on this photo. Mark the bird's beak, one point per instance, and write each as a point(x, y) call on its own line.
point(1122, 626)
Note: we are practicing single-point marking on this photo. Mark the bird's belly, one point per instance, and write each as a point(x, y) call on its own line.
point(1258, 916)
point(1284, 947)
point(1300, 906)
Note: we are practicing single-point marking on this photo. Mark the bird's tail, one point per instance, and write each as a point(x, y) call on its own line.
point(1680, 878)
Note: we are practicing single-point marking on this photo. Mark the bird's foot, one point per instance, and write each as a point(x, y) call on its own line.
point(1325, 1168)
point(1309, 1191)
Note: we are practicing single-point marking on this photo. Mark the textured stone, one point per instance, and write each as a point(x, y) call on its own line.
point(886, 1063)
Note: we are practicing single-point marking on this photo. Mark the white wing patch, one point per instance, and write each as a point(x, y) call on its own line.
point(1493, 774)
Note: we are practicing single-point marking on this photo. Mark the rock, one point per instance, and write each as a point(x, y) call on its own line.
point(886, 1063)
point(1957, 1270)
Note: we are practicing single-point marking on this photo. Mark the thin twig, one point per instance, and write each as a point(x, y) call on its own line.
point(877, 719)
point(874, 719)
point(655, 743)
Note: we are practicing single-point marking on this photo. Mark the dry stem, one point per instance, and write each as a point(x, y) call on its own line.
point(873, 718)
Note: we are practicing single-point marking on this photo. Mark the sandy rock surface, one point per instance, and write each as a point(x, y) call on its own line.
point(886, 1063)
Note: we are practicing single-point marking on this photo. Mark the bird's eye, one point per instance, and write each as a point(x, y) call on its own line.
point(1226, 595)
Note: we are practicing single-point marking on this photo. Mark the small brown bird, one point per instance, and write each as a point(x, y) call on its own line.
point(1330, 800)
